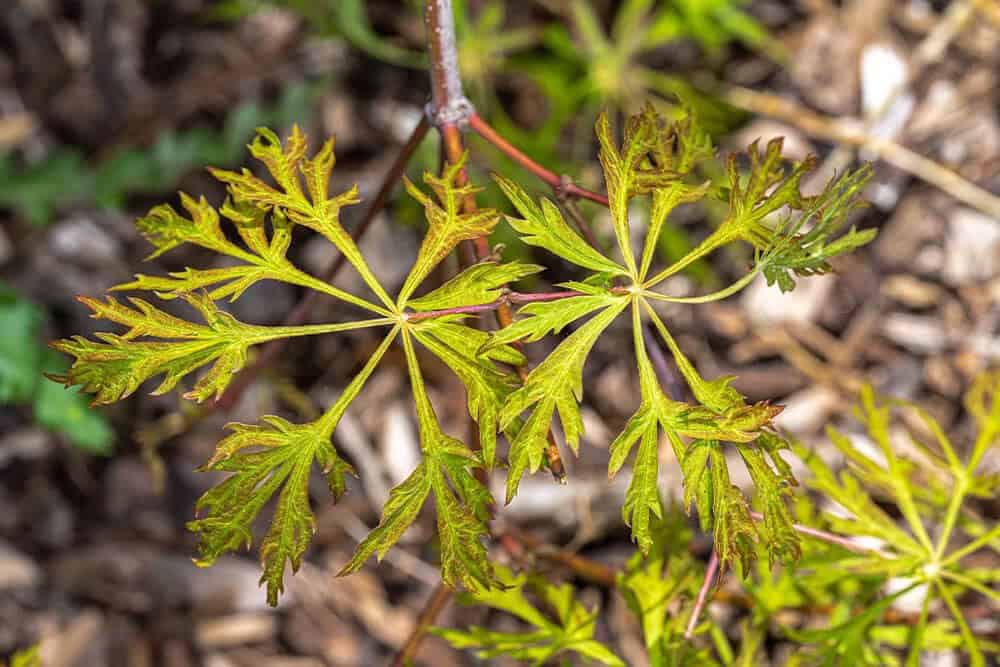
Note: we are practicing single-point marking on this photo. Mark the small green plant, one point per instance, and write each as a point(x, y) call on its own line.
point(651, 159)
point(275, 457)
point(834, 604)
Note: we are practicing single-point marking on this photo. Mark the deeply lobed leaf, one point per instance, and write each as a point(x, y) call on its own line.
point(311, 206)
point(447, 224)
point(264, 458)
point(116, 366)
point(487, 388)
point(462, 501)
point(543, 226)
point(480, 283)
point(556, 384)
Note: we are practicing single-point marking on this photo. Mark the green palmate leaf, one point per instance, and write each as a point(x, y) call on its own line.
point(117, 365)
point(572, 629)
point(547, 317)
point(555, 384)
point(265, 458)
point(261, 258)
point(24, 361)
point(486, 386)
point(20, 352)
point(462, 501)
point(310, 207)
point(447, 225)
point(478, 284)
point(543, 226)
point(65, 411)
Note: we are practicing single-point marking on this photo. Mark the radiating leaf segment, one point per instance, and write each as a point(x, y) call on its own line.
point(276, 457)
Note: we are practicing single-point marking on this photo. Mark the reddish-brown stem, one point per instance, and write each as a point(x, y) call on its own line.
point(450, 107)
point(569, 206)
point(706, 586)
point(517, 542)
point(563, 187)
point(831, 538)
point(435, 605)
point(300, 312)
point(504, 300)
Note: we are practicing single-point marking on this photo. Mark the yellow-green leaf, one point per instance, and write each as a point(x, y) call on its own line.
point(543, 226)
point(447, 225)
point(276, 454)
point(478, 284)
point(117, 365)
point(556, 384)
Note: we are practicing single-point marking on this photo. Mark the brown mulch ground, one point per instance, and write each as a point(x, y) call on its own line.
point(94, 555)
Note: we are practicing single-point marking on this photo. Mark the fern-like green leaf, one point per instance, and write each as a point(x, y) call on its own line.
point(478, 284)
point(555, 384)
point(571, 631)
point(655, 586)
point(543, 226)
point(117, 365)
point(263, 459)
point(876, 479)
point(447, 225)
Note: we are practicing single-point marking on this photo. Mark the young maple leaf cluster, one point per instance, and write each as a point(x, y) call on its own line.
point(790, 235)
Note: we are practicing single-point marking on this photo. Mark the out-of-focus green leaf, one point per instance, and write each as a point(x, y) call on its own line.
point(37, 190)
point(24, 359)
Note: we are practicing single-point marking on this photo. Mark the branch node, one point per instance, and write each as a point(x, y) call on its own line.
point(456, 112)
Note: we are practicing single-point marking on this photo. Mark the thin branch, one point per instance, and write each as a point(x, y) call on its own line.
point(516, 542)
point(449, 109)
point(832, 538)
point(706, 586)
point(574, 214)
point(563, 187)
point(432, 609)
point(895, 154)
point(449, 106)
